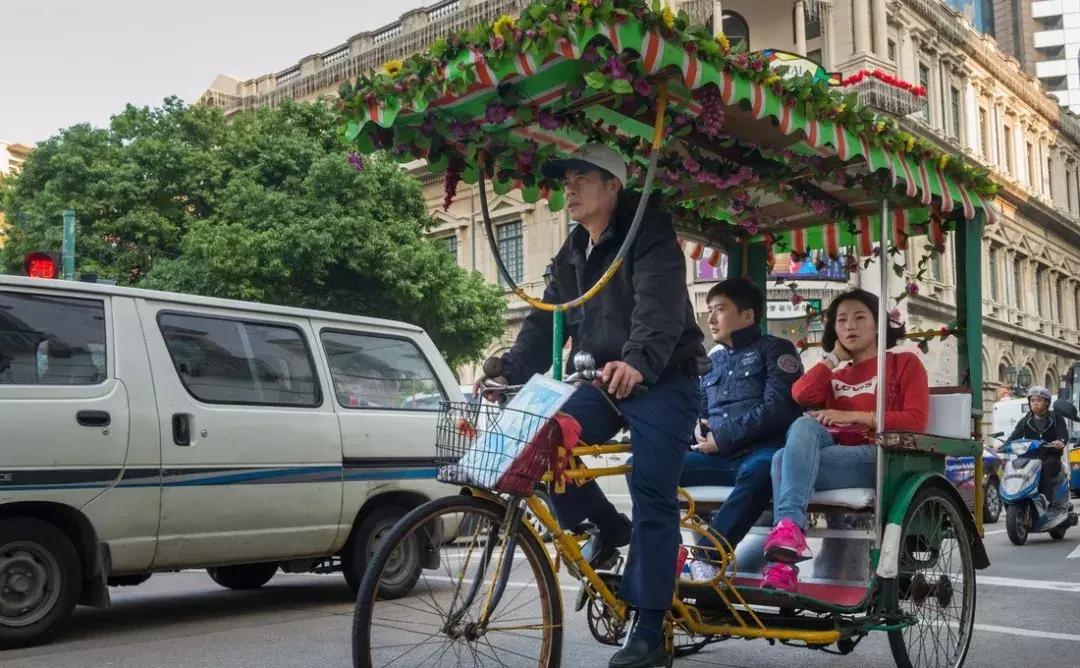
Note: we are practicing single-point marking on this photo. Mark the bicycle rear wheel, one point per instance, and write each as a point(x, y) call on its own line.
point(439, 623)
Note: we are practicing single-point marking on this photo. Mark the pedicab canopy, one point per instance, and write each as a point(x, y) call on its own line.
point(752, 149)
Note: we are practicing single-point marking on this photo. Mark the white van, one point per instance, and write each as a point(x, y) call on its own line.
point(148, 431)
point(1007, 413)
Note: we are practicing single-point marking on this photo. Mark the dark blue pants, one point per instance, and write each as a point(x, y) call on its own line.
point(749, 474)
point(660, 421)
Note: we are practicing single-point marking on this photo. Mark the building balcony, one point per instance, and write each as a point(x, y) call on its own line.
point(885, 97)
point(1049, 69)
point(1045, 8)
point(1045, 39)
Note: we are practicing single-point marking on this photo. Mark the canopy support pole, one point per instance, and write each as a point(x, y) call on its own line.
point(882, 385)
point(969, 259)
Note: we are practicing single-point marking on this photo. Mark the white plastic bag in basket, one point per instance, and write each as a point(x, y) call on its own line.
point(496, 448)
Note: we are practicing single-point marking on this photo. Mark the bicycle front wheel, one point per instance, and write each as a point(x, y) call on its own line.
point(470, 570)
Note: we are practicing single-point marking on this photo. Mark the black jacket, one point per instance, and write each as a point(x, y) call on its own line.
point(746, 397)
point(642, 317)
point(1057, 429)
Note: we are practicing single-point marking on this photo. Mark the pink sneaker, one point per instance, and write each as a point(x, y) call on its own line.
point(782, 577)
point(786, 544)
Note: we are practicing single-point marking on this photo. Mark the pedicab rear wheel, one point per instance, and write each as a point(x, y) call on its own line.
point(935, 584)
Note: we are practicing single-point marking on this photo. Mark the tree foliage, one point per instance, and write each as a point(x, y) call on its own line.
point(264, 206)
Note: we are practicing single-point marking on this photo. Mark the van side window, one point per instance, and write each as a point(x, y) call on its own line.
point(51, 340)
point(380, 372)
point(225, 361)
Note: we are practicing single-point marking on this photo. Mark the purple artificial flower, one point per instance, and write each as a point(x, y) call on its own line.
point(691, 165)
point(642, 87)
point(547, 120)
point(357, 161)
point(912, 289)
point(741, 60)
point(819, 207)
point(496, 114)
point(615, 68)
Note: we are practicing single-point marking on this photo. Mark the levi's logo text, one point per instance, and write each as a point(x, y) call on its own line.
point(842, 389)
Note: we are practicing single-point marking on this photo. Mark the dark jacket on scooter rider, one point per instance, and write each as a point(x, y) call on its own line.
point(1049, 428)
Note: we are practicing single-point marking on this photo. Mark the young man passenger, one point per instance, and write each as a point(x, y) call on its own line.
point(746, 409)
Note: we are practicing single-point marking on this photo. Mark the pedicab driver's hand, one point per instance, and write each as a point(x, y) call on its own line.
point(480, 389)
point(1058, 444)
point(621, 379)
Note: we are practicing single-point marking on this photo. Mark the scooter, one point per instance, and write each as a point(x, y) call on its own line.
point(1026, 510)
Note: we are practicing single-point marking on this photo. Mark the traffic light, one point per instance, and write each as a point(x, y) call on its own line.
point(40, 264)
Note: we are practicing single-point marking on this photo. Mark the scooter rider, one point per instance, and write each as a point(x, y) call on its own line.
point(1042, 424)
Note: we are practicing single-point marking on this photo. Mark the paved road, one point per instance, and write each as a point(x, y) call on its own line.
point(1028, 615)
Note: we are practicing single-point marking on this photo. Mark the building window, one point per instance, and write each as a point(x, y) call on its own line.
point(984, 132)
point(509, 238)
point(1059, 314)
point(1040, 305)
point(1010, 165)
point(812, 26)
point(924, 81)
point(1018, 284)
point(451, 244)
point(1068, 189)
point(954, 108)
point(992, 260)
point(936, 268)
point(815, 56)
point(892, 50)
point(1032, 176)
point(1049, 180)
point(736, 29)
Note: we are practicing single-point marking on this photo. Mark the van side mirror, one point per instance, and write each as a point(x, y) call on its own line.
point(1065, 408)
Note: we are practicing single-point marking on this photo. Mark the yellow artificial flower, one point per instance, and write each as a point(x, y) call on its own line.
point(722, 40)
point(504, 26)
point(393, 67)
point(840, 108)
point(583, 3)
point(943, 161)
point(771, 79)
point(910, 144)
point(668, 17)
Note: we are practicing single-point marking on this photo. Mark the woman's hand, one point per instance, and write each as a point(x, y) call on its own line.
point(832, 417)
point(842, 353)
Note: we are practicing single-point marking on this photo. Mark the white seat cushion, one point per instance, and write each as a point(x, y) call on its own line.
point(950, 415)
point(854, 497)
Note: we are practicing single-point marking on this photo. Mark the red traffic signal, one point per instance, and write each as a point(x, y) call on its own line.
point(40, 264)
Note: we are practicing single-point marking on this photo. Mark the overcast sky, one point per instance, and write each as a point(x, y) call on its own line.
point(74, 61)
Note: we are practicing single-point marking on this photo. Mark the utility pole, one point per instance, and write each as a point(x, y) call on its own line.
point(69, 245)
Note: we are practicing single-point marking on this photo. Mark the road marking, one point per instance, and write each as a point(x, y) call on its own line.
point(1026, 633)
point(1049, 585)
point(994, 533)
point(1075, 554)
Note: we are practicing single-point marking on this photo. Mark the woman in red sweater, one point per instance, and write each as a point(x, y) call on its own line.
point(831, 447)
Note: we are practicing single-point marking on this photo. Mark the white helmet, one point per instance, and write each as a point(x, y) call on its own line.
point(1039, 391)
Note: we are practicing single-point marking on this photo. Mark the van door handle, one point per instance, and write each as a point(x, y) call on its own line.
point(181, 429)
point(93, 418)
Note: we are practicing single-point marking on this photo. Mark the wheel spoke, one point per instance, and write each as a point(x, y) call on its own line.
point(440, 617)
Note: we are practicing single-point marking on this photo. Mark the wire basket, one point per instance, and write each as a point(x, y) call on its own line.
point(500, 449)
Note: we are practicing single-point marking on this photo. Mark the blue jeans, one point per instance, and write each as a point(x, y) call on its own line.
point(748, 473)
point(811, 461)
point(660, 421)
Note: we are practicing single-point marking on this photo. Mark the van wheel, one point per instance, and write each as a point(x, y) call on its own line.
point(402, 569)
point(245, 576)
point(40, 581)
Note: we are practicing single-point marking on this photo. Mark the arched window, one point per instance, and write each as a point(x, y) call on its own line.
point(736, 29)
point(1003, 373)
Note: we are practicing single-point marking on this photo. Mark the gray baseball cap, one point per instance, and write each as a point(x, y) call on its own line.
point(588, 156)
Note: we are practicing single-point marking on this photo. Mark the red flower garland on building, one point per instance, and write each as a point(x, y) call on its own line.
point(885, 77)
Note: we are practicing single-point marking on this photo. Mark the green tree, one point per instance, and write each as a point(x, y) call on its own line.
point(264, 206)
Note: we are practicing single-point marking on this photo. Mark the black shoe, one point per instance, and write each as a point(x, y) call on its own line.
point(602, 554)
point(637, 654)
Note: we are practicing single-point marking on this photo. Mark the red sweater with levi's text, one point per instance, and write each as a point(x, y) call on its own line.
point(853, 387)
